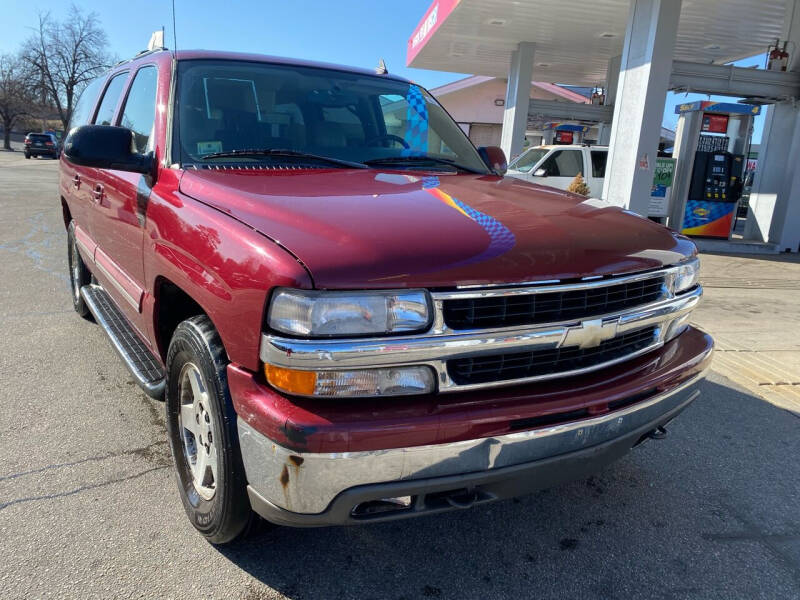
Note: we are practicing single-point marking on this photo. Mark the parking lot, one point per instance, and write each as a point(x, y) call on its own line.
point(89, 507)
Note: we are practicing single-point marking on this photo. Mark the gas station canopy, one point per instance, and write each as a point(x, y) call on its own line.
point(576, 39)
point(636, 51)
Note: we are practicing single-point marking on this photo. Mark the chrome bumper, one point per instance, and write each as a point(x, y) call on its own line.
point(305, 484)
point(441, 344)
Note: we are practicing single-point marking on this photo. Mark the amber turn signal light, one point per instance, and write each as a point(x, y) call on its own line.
point(290, 380)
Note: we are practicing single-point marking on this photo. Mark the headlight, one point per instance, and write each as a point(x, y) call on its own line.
point(686, 276)
point(392, 381)
point(341, 314)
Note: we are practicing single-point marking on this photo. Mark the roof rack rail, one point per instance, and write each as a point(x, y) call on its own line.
point(140, 54)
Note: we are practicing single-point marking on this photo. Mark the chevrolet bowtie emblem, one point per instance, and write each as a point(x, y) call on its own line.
point(591, 333)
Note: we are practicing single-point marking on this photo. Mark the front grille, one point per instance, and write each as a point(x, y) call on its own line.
point(501, 367)
point(547, 307)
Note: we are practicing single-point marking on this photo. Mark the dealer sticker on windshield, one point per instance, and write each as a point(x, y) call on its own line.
point(209, 147)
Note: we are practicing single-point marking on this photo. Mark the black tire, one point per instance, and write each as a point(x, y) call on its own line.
point(27, 155)
point(79, 274)
point(196, 347)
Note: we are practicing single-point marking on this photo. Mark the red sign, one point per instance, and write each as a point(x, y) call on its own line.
point(715, 123)
point(564, 137)
point(434, 17)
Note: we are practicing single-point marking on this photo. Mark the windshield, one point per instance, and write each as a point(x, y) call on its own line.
point(224, 106)
point(525, 161)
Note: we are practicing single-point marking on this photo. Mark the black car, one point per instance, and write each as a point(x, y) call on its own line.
point(42, 144)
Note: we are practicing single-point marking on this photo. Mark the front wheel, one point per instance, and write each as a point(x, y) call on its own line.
point(27, 156)
point(201, 424)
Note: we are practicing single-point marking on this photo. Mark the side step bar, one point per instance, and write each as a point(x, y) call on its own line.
point(143, 365)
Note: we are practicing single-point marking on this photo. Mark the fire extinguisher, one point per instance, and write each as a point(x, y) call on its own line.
point(778, 57)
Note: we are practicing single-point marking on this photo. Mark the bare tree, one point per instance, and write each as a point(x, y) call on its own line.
point(66, 56)
point(17, 93)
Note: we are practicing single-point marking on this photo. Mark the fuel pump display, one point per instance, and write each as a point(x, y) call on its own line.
point(719, 135)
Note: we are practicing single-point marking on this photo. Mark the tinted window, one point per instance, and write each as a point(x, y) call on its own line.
point(82, 111)
point(564, 163)
point(599, 158)
point(110, 98)
point(140, 108)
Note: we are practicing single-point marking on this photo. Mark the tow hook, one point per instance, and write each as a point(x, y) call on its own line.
point(659, 433)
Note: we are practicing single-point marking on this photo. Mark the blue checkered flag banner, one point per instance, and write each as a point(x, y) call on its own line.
point(416, 135)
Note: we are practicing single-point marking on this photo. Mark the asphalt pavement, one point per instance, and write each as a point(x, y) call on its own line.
point(89, 507)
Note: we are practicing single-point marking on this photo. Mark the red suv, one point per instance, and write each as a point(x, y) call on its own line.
point(352, 315)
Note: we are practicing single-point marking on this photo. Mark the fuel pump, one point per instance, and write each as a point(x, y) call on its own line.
point(712, 141)
point(565, 133)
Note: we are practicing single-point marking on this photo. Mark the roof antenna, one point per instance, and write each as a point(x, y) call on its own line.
point(380, 69)
point(174, 33)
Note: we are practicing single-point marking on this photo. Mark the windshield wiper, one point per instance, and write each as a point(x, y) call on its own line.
point(422, 159)
point(281, 152)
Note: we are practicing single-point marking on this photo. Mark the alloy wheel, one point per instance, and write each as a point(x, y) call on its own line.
point(196, 424)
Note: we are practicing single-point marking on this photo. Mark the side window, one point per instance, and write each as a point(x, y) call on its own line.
point(82, 111)
point(599, 158)
point(564, 163)
point(109, 102)
point(139, 113)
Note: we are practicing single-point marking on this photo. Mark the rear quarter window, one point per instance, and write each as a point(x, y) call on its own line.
point(84, 107)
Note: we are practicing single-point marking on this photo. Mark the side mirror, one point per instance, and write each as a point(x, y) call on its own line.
point(540, 173)
point(494, 158)
point(105, 147)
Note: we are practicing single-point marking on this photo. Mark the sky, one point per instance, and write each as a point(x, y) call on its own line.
point(351, 32)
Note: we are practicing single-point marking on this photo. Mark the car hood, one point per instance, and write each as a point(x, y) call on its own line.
point(374, 229)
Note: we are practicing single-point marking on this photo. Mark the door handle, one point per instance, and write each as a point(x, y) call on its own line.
point(97, 192)
point(76, 181)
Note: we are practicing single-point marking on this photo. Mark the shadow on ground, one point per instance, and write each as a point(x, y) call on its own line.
point(682, 517)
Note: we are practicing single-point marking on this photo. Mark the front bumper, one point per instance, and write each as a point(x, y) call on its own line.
point(298, 488)
point(479, 476)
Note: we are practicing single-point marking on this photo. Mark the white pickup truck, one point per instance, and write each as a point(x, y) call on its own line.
point(557, 166)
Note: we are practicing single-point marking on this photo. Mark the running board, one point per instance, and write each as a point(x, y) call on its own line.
point(143, 365)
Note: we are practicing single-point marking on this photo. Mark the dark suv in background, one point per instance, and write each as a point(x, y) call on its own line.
point(42, 144)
